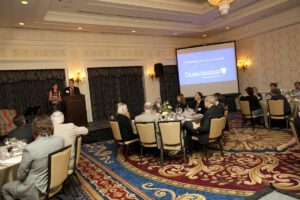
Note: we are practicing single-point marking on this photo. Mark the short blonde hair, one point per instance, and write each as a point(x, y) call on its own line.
point(210, 99)
point(121, 108)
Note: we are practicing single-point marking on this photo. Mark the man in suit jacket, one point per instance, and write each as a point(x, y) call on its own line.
point(67, 131)
point(71, 90)
point(23, 130)
point(198, 105)
point(33, 171)
point(202, 130)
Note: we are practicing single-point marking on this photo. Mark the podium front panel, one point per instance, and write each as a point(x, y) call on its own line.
point(75, 110)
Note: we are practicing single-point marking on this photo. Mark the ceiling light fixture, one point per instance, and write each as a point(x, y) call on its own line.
point(133, 31)
point(79, 28)
point(21, 23)
point(223, 5)
point(24, 2)
point(204, 35)
point(175, 34)
point(227, 28)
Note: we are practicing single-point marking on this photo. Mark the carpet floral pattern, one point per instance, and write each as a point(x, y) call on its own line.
point(248, 164)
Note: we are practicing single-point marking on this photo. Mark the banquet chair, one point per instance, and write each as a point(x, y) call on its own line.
point(147, 134)
point(247, 114)
point(172, 138)
point(294, 131)
point(224, 127)
point(72, 171)
point(58, 164)
point(215, 134)
point(118, 137)
point(276, 112)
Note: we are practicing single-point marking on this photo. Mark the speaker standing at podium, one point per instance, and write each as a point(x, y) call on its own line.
point(71, 90)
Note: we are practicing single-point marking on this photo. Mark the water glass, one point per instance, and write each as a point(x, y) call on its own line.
point(6, 141)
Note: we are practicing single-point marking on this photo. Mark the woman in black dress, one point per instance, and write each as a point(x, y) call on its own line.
point(54, 97)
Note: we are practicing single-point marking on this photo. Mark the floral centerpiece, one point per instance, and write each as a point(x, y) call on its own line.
point(165, 108)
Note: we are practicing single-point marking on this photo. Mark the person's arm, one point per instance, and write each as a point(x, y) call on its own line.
point(59, 96)
point(25, 165)
point(50, 95)
point(80, 130)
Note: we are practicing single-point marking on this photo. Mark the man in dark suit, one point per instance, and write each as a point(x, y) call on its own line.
point(202, 130)
point(71, 90)
point(198, 105)
point(33, 171)
point(23, 130)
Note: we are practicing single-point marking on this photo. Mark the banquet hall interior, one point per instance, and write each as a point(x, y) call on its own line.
point(130, 51)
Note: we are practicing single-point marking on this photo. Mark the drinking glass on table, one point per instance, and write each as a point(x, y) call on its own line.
point(6, 141)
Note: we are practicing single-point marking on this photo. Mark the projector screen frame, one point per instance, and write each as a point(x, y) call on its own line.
point(210, 44)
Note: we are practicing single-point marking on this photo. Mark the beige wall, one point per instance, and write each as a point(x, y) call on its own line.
point(75, 51)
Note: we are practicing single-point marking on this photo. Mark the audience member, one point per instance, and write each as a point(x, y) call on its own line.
point(273, 85)
point(296, 91)
point(180, 102)
point(257, 94)
point(198, 105)
point(123, 118)
point(202, 130)
point(219, 102)
point(148, 115)
point(23, 130)
point(254, 104)
point(71, 90)
point(68, 131)
point(293, 141)
point(276, 95)
point(156, 105)
point(54, 97)
point(33, 170)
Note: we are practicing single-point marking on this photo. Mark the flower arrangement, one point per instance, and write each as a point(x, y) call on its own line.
point(165, 108)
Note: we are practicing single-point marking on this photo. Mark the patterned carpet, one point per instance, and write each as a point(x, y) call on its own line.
point(248, 165)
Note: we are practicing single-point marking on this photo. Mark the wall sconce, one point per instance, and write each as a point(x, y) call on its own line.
point(243, 64)
point(151, 75)
point(79, 78)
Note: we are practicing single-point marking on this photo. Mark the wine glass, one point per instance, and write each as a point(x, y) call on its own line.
point(6, 141)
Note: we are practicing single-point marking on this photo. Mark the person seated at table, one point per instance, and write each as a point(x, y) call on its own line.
point(180, 102)
point(148, 115)
point(254, 104)
point(198, 105)
point(33, 171)
point(296, 91)
point(68, 131)
point(54, 97)
point(23, 130)
point(71, 90)
point(273, 85)
point(257, 94)
point(123, 118)
point(293, 141)
point(219, 102)
point(156, 105)
point(276, 95)
point(202, 130)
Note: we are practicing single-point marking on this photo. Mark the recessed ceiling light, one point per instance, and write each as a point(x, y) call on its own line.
point(175, 34)
point(24, 2)
point(79, 28)
point(21, 23)
point(227, 28)
point(204, 35)
point(133, 31)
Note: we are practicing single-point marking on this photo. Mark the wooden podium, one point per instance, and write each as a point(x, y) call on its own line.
point(75, 110)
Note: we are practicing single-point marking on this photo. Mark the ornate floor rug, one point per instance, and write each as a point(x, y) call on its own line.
point(249, 164)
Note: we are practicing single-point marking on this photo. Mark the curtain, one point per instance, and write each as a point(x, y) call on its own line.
point(20, 89)
point(111, 85)
point(169, 84)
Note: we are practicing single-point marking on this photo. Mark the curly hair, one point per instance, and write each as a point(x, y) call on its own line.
point(42, 126)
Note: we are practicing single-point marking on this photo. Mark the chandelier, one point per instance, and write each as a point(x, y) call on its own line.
point(223, 5)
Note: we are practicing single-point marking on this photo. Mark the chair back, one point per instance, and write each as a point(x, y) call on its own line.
point(245, 107)
point(116, 130)
point(171, 135)
point(147, 133)
point(294, 131)
point(77, 150)
point(226, 117)
point(276, 107)
point(58, 164)
point(216, 127)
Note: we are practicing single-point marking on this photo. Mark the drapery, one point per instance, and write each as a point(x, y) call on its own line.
point(169, 84)
point(20, 89)
point(111, 85)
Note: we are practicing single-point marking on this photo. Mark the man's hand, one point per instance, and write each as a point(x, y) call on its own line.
point(195, 126)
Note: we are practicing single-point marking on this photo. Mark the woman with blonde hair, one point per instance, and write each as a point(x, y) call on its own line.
point(180, 102)
point(123, 118)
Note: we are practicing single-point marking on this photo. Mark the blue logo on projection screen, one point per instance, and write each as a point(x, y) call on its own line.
point(207, 66)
